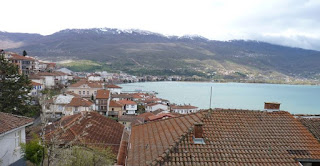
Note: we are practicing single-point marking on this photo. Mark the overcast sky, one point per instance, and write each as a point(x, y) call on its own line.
point(287, 22)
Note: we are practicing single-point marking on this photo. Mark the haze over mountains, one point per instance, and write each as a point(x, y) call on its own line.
point(144, 52)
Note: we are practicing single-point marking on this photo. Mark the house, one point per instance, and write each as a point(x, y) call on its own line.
point(151, 107)
point(122, 96)
point(25, 64)
point(12, 133)
point(103, 101)
point(36, 89)
point(184, 109)
point(65, 70)
point(78, 105)
point(224, 137)
point(85, 88)
point(115, 109)
point(38, 79)
point(56, 106)
point(50, 79)
point(129, 106)
point(95, 77)
point(90, 129)
point(130, 120)
point(114, 89)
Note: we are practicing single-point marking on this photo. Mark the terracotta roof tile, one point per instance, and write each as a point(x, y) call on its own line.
point(232, 137)
point(113, 86)
point(146, 115)
point(20, 57)
point(161, 116)
point(89, 83)
point(115, 104)
point(103, 94)
point(313, 125)
point(9, 121)
point(128, 102)
point(89, 128)
point(78, 101)
point(35, 83)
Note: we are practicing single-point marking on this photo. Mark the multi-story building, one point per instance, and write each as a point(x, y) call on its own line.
point(85, 88)
point(103, 101)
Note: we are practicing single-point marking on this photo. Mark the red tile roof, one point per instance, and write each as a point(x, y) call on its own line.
point(313, 125)
point(232, 137)
point(20, 57)
point(35, 83)
point(9, 121)
point(161, 116)
point(127, 102)
point(146, 115)
point(89, 83)
point(79, 102)
point(103, 94)
point(89, 128)
point(114, 104)
point(113, 86)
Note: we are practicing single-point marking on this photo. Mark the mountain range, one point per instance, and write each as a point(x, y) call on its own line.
point(143, 52)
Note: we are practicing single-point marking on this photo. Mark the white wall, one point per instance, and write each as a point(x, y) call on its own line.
point(49, 81)
point(156, 107)
point(10, 150)
point(184, 111)
point(131, 109)
point(115, 90)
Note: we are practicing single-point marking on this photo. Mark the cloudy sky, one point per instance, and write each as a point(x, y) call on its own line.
point(287, 22)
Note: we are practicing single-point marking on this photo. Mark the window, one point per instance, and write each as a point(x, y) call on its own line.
point(95, 92)
point(112, 109)
point(18, 138)
point(87, 92)
point(79, 92)
point(84, 92)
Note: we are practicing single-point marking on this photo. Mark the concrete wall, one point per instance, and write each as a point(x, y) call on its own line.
point(10, 149)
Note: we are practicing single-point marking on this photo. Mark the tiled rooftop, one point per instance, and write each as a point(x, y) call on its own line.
point(89, 83)
point(78, 101)
point(89, 128)
point(313, 125)
point(103, 94)
point(9, 122)
point(151, 140)
point(232, 137)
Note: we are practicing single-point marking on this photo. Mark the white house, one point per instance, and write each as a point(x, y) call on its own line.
point(77, 105)
point(130, 106)
point(12, 133)
point(56, 107)
point(95, 77)
point(85, 88)
point(49, 79)
point(36, 89)
point(155, 106)
point(114, 89)
point(38, 79)
point(184, 109)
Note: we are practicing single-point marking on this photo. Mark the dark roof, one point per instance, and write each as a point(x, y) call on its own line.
point(232, 137)
point(88, 128)
point(313, 125)
point(9, 121)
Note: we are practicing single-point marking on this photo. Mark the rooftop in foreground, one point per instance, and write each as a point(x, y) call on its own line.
point(230, 137)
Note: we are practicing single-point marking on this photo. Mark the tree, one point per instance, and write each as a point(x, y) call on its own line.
point(24, 53)
point(33, 150)
point(14, 90)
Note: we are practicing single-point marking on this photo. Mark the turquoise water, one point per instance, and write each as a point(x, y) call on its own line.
point(293, 98)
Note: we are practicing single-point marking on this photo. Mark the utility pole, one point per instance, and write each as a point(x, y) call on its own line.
point(210, 98)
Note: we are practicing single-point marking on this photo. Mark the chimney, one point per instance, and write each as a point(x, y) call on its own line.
point(198, 131)
point(272, 106)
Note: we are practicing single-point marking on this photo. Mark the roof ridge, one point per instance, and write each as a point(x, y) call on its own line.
point(177, 142)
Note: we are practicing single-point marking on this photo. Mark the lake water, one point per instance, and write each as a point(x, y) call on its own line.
point(293, 98)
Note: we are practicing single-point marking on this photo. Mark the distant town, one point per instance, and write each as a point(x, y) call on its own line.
point(87, 118)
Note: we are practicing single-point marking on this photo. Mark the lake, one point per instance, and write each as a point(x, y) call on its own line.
point(301, 99)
